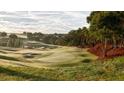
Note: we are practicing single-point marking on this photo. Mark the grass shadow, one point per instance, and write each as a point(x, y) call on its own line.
point(86, 61)
point(67, 65)
point(25, 76)
point(3, 52)
point(8, 58)
point(83, 55)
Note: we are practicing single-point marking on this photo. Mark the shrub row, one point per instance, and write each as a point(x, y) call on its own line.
point(108, 52)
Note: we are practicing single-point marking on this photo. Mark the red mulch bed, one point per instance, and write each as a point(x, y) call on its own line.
point(111, 52)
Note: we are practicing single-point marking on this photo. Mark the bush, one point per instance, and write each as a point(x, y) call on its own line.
point(115, 52)
point(110, 52)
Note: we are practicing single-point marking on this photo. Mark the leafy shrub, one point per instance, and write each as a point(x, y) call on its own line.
point(111, 52)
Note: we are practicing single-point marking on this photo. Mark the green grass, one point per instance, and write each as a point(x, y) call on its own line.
point(65, 63)
point(97, 70)
point(42, 58)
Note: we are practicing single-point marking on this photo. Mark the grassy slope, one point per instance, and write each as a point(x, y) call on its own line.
point(65, 63)
point(44, 58)
point(110, 70)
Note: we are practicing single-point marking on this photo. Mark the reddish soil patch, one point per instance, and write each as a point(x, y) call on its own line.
point(115, 52)
point(108, 52)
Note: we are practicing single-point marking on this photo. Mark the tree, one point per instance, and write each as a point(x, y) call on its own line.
point(29, 35)
point(3, 34)
point(37, 36)
point(79, 37)
point(112, 21)
point(13, 36)
point(12, 40)
point(24, 33)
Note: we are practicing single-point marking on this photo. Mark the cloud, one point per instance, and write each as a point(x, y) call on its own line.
point(42, 21)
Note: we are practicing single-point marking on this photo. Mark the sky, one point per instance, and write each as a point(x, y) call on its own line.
point(42, 21)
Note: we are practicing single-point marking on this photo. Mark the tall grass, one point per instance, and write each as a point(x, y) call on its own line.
point(97, 70)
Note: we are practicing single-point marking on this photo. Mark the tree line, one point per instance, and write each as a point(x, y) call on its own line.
point(11, 40)
point(105, 27)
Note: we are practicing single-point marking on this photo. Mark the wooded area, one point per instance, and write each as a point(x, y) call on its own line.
point(104, 36)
